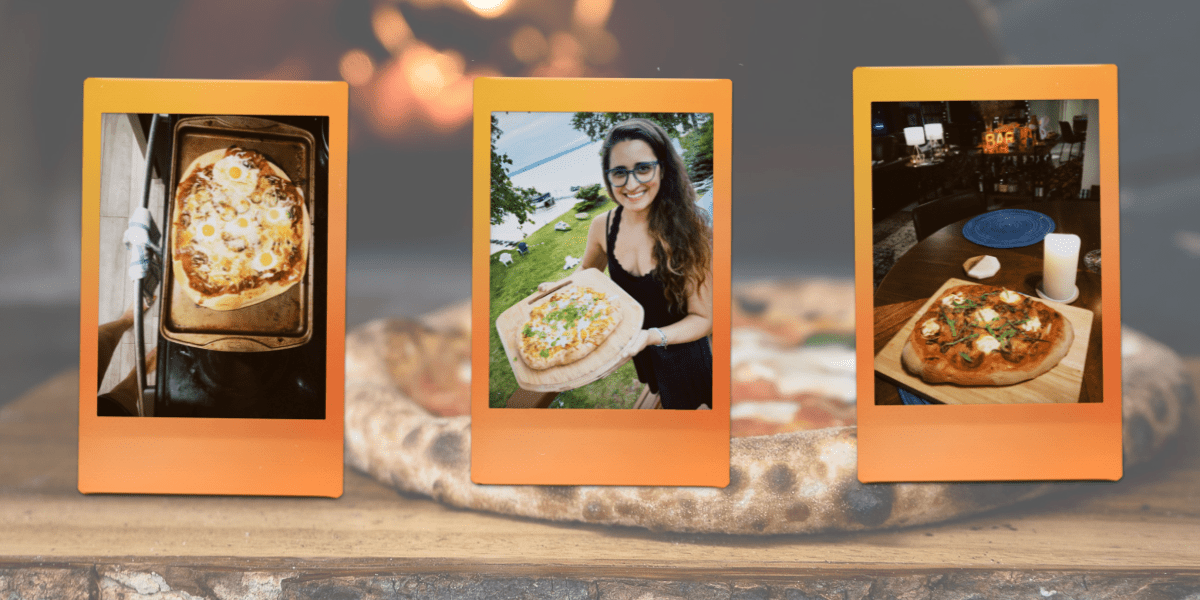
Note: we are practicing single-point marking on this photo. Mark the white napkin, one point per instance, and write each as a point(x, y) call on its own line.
point(985, 266)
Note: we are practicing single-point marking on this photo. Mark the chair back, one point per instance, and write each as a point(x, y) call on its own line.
point(1080, 122)
point(932, 216)
point(1065, 129)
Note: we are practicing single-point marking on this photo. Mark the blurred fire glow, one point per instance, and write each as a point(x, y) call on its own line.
point(452, 106)
point(421, 92)
point(529, 45)
point(390, 27)
point(391, 103)
point(292, 68)
point(592, 13)
point(489, 8)
point(429, 71)
point(566, 57)
point(602, 47)
point(356, 68)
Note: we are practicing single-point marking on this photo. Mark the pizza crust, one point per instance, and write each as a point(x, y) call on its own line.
point(795, 483)
point(566, 357)
point(260, 293)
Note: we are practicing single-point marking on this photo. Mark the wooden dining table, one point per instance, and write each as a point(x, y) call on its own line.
point(919, 273)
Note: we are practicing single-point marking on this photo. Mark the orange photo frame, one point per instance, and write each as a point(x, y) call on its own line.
point(989, 442)
point(601, 446)
point(186, 455)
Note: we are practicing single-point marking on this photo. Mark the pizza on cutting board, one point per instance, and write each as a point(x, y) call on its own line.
point(791, 470)
point(240, 229)
point(980, 335)
point(567, 326)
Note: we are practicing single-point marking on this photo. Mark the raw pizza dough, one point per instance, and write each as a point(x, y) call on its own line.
point(240, 230)
point(986, 335)
point(567, 326)
point(796, 482)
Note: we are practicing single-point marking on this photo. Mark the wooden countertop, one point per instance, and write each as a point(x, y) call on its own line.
point(1129, 539)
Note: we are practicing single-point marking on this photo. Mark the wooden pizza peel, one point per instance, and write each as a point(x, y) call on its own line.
point(602, 362)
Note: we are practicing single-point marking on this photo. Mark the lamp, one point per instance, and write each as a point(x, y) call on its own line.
point(933, 133)
point(915, 137)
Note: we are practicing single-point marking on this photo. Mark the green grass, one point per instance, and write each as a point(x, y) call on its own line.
point(548, 250)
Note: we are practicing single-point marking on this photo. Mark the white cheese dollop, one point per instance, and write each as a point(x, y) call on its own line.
point(930, 327)
point(986, 344)
point(1010, 296)
point(986, 315)
point(952, 299)
point(1032, 324)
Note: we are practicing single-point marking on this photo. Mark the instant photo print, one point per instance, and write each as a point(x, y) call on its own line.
point(988, 333)
point(593, 362)
point(213, 287)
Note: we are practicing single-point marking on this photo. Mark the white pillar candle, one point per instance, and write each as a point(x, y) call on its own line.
point(1061, 263)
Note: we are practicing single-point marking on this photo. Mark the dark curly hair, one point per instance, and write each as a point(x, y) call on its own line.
point(682, 237)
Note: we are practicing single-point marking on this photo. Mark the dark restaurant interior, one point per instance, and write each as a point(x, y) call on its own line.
point(937, 163)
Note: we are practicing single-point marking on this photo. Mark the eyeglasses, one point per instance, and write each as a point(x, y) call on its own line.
point(642, 172)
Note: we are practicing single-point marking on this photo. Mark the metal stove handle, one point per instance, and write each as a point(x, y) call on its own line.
point(139, 327)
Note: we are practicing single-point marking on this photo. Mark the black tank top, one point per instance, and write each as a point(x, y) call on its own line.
point(646, 289)
point(681, 374)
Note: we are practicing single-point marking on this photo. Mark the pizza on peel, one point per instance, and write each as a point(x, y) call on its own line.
point(241, 230)
point(408, 426)
point(567, 326)
point(982, 335)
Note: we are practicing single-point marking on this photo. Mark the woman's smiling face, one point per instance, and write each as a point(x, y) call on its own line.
point(635, 194)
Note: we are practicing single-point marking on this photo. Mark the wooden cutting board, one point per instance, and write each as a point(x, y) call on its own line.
point(1060, 385)
point(594, 366)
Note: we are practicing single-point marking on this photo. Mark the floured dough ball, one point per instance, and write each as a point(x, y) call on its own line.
point(982, 267)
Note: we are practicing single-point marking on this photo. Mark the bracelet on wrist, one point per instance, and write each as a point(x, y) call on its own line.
point(661, 336)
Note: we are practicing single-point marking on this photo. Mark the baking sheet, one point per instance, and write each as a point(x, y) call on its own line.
point(284, 321)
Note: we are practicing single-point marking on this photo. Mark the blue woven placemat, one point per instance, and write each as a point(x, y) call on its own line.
point(1008, 228)
point(910, 398)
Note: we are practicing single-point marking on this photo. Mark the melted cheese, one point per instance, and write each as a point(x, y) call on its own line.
point(952, 299)
point(1032, 324)
point(986, 315)
point(554, 336)
point(986, 344)
point(930, 327)
point(1010, 296)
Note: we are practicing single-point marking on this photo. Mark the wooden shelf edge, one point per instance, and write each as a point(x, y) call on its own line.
point(550, 581)
point(600, 569)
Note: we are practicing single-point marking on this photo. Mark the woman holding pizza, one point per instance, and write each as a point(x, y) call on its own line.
point(657, 246)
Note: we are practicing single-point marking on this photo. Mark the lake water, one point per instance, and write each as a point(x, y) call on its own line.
point(580, 167)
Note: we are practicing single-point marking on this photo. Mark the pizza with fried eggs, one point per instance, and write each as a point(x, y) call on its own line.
point(241, 230)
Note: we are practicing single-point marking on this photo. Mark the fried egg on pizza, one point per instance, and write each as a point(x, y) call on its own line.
point(241, 230)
